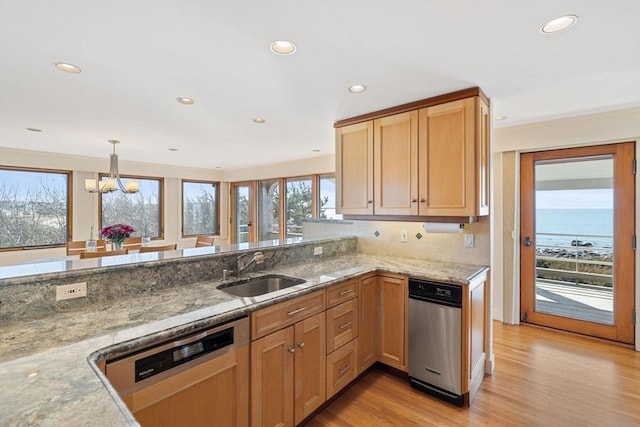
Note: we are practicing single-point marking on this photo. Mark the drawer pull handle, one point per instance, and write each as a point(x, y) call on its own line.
point(301, 344)
point(291, 349)
point(348, 291)
point(345, 369)
point(346, 325)
point(296, 311)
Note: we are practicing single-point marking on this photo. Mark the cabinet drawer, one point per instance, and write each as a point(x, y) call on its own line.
point(342, 367)
point(342, 324)
point(281, 315)
point(340, 293)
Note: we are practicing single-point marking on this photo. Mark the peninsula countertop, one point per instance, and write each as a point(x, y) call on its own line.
point(47, 366)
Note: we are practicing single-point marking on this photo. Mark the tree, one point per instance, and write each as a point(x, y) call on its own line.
point(34, 214)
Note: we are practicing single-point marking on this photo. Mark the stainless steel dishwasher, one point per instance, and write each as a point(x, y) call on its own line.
point(435, 340)
point(198, 379)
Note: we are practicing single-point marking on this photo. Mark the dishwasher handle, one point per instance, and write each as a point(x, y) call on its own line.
point(436, 301)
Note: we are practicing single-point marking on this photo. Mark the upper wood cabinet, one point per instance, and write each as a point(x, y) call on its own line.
point(395, 160)
point(431, 161)
point(354, 169)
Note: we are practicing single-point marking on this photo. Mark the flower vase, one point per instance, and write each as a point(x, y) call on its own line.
point(117, 244)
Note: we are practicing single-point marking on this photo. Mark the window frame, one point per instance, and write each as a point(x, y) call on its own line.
point(282, 182)
point(318, 194)
point(313, 178)
point(69, 174)
point(160, 199)
point(217, 206)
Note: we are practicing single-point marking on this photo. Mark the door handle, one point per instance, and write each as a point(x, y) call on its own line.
point(527, 241)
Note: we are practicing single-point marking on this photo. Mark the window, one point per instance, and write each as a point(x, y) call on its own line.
point(299, 204)
point(34, 207)
point(141, 210)
point(327, 197)
point(269, 209)
point(282, 206)
point(200, 208)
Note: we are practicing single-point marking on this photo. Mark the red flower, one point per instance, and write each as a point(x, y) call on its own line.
point(116, 232)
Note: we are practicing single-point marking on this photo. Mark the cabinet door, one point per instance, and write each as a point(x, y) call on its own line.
point(354, 169)
point(447, 136)
point(396, 164)
point(272, 359)
point(221, 385)
point(392, 321)
point(368, 313)
point(310, 368)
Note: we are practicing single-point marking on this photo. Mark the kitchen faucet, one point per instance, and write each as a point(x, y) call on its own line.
point(258, 258)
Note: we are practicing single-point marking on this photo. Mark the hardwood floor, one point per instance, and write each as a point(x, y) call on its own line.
point(542, 378)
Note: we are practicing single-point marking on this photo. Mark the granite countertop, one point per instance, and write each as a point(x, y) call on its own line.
point(47, 366)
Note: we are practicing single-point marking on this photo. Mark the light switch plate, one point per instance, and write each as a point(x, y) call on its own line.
point(403, 236)
point(317, 250)
point(469, 240)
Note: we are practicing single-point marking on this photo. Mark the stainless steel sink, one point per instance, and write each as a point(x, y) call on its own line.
point(259, 285)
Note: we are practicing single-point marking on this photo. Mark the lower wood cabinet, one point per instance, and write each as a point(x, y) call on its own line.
point(220, 385)
point(342, 367)
point(288, 373)
point(474, 352)
point(392, 321)
point(342, 324)
point(368, 315)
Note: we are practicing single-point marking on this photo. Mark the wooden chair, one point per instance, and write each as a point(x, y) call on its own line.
point(144, 249)
point(76, 248)
point(204, 241)
point(84, 255)
point(132, 243)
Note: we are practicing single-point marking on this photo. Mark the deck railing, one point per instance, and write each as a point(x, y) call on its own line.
point(580, 259)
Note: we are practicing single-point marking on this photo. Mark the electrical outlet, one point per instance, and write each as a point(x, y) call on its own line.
point(468, 241)
point(403, 236)
point(317, 250)
point(74, 290)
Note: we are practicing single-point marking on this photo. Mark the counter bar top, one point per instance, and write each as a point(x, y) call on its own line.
point(48, 374)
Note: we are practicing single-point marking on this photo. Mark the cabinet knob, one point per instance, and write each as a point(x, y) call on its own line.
point(369, 201)
point(422, 200)
point(414, 200)
point(291, 349)
point(301, 344)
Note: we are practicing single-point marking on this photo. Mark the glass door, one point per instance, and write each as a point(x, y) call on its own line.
point(577, 230)
point(243, 212)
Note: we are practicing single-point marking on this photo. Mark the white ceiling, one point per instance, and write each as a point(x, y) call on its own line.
point(138, 56)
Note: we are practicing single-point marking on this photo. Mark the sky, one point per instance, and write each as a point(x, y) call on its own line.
point(575, 199)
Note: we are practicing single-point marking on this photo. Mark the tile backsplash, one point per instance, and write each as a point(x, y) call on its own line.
point(384, 238)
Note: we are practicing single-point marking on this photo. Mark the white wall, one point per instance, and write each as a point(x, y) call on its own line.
point(313, 165)
point(85, 205)
point(610, 127)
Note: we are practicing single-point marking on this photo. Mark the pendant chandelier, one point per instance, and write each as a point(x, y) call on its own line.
point(113, 182)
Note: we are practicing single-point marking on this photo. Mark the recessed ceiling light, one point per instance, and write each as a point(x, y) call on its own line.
point(34, 130)
point(283, 47)
point(218, 167)
point(315, 150)
point(559, 24)
point(173, 149)
point(500, 118)
point(357, 88)
point(259, 120)
point(67, 68)
point(185, 101)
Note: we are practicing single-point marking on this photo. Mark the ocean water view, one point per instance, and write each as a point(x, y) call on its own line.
point(575, 224)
